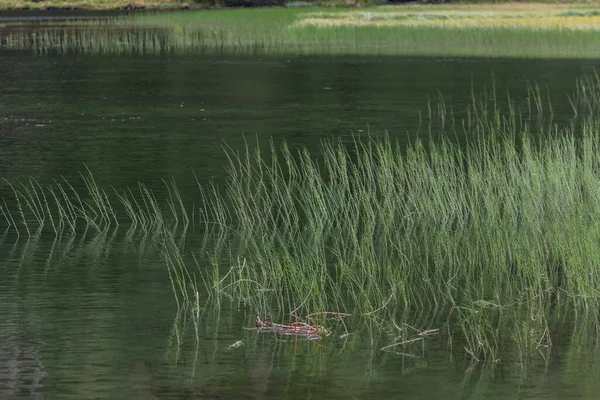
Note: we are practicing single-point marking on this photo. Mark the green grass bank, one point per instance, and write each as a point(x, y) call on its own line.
point(128, 5)
point(194, 4)
point(514, 30)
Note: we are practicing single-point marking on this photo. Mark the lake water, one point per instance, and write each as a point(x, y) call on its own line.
point(93, 316)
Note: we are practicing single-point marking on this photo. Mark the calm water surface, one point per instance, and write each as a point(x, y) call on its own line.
point(91, 317)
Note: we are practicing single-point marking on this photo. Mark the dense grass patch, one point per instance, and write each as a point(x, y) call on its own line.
point(477, 235)
point(492, 221)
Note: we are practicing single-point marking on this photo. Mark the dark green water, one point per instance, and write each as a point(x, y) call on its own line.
point(91, 317)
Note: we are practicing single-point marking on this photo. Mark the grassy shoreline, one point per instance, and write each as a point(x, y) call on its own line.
point(504, 30)
point(158, 5)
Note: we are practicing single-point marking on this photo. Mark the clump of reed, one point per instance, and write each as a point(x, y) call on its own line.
point(61, 208)
point(505, 220)
point(491, 219)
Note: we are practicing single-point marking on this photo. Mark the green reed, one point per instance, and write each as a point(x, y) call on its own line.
point(61, 208)
point(490, 221)
point(505, 221)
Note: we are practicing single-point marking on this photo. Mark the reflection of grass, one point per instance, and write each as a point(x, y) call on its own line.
point(456, 30)
point(347, 366)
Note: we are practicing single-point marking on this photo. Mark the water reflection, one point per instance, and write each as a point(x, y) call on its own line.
point(95, 318)
point(90, 107)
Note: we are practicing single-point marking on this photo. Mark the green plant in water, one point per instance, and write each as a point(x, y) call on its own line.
point(383, 231)
point(34, 208)
point(505, 221)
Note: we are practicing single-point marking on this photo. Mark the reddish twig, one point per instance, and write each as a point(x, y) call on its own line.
point(298, 328)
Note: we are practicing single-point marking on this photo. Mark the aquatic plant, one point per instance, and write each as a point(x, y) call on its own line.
point(504, 221)
point(494, 216)
point(62, 208)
